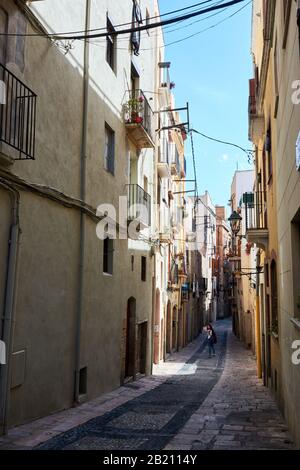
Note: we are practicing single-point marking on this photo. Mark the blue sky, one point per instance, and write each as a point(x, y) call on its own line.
point(211, 72)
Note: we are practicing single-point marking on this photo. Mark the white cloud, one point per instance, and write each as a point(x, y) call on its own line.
point(224, 158)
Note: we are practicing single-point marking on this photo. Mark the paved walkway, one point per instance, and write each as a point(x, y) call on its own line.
point(191, 402)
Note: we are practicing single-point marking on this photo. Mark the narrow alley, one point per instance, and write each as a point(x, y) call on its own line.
point(191, 402)
point(149, 227)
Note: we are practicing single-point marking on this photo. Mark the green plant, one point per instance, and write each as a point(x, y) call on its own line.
point(133, 109)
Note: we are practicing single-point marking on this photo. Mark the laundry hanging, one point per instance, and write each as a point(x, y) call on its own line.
point(136, 21)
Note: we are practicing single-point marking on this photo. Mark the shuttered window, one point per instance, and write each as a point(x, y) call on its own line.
point(143, 268)
point(111, 46)
point(3, 39)
point(108, 255)
point(109, 153)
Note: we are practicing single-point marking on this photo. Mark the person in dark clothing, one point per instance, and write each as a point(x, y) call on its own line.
point(211, 340)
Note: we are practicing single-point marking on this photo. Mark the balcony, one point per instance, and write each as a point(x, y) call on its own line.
point(173, 283)
point(256, 121)
point(175, 164)
point(256, 223)
point(182, 271)
point(165, 83)
point(139, 206)
point(185, 292)
point(163, 166)
point(139, 119)
point(165, 236)
point(17, 118)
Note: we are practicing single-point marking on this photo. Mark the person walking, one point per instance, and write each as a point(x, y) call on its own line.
point(211, 340)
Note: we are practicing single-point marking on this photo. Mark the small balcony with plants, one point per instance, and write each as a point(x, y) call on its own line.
point(138, 117)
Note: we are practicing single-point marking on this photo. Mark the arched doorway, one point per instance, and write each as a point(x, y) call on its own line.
point(162, 326)
point(274, 297)
point(169, 328)
point(156, 328)
point(130, 338)
point(180, 329)
point(174, 328)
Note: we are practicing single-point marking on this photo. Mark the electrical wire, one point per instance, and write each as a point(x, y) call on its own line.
point(138, 28)
point(206, 29)
point(105, 28)
point(148, 35)
point(248, 152)
point(101, 43)
point(166, 31)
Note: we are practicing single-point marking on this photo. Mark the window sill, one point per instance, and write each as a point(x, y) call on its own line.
point(295, 322)
point(107, 275)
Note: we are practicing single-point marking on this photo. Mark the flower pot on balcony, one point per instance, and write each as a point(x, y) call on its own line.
point(138, 120)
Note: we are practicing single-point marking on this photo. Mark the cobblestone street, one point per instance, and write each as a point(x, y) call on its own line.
point(190, 403)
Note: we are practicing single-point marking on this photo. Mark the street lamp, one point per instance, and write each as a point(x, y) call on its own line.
point(235, 225)
point(235, 222)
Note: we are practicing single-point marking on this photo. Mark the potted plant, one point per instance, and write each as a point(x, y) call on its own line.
point(133, 109)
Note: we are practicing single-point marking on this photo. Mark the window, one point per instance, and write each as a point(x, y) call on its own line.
point(268, 150)
point(108, 255)
point(111, 45)
point(286, 5)
point(83, 381)
point(132, 262)
point(274, 297)
point(295, 242)
point(109, 153)
point(144, 268)
point(276, 82)
point(3, 39)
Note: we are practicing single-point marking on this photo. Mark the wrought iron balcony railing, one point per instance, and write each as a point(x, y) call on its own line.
point(17, 115)
point(255, 210)
point(139, 119)
point(139, 205)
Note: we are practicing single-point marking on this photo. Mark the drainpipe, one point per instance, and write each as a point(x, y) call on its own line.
point(257, 321)
point(82, 197)
point(8, 311)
